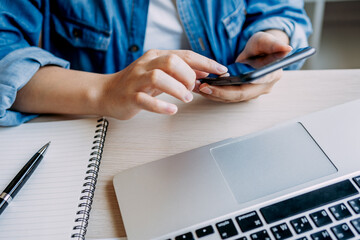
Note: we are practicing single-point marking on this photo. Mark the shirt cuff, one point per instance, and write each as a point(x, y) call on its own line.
point(16, 69)
point(295, 31)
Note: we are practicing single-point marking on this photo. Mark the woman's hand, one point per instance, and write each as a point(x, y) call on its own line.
point(260, 44)
point(158, 71)
point(120, 95)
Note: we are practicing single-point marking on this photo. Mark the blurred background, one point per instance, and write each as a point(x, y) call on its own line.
point(336, 34)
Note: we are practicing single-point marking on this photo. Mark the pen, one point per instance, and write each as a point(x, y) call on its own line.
point(20, 179)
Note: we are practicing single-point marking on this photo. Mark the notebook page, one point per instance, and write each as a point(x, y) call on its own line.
point(46, 206)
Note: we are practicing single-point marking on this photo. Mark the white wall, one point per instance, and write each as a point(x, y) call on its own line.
point(339, 41)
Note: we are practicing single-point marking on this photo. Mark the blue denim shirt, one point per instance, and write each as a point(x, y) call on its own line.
point(105, 36)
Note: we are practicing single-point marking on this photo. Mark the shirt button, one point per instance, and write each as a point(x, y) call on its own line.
point(134, 48)
point(77, 32)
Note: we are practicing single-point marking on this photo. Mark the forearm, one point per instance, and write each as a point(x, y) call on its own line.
point(120, 95)
point(57, 90)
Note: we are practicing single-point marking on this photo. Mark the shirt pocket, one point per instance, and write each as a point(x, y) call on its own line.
point(234, 21)
point(82, 35)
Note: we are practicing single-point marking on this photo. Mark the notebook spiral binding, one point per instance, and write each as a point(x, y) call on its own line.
point(90, 181)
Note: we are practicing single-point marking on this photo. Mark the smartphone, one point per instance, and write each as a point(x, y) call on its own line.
point(258, 67)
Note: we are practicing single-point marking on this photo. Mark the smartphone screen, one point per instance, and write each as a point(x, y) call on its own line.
point(258, 67)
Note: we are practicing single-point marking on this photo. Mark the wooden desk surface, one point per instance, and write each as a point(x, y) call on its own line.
point(149, 137)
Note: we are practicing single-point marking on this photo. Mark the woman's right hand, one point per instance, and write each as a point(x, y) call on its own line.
point(125, 93)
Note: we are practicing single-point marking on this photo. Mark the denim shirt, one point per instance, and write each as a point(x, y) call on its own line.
point(105, 36)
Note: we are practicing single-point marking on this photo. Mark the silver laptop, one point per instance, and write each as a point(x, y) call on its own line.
point(298, 180)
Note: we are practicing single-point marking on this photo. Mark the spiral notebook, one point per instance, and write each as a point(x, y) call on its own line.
point(55, 202)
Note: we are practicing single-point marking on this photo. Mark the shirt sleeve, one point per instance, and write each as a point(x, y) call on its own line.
point(20, 58)
point(16, 69)
point(287, 15)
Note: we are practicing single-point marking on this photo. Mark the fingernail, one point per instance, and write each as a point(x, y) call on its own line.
point(225, 75)
point(222, 69)
point(188, 97)
point(172, 109)
point(206, 90)
point(197, 85)
point(168, 107)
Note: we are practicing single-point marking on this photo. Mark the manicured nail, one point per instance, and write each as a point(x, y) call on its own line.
point(168, 107)
point(188, 97)
point(197, 85)
point(222, 69)
point(206, 90)
point(225, 75)
point(171, 108)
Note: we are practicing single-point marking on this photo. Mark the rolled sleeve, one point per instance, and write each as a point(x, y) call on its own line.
point(16, 69)
point(295, 32)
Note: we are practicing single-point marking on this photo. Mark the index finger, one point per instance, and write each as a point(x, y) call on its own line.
point(200, 63)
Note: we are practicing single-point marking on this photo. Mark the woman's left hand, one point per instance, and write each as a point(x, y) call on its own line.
point(260, 44)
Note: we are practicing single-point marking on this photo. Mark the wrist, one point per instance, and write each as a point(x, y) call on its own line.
point(96, 95)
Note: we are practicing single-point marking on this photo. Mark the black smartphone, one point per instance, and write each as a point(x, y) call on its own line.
point(258, 67)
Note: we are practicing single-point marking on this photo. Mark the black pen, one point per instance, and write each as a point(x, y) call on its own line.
point(20, 179)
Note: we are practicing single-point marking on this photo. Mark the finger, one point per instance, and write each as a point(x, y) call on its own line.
point(243, 56)
point(152, 104)
point(270, 44)
point(212, 98)
point(175, 67)
point(236, 93)
point(201, 63)
point(225, 75)
point(262, 43)
point(271, 77)
point(197, 86)
point(200, 74)
point(194, 60)
point(166, 83)
point(280, 47)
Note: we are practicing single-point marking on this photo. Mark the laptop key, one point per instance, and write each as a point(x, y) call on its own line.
point(249, 221)
point(226, 229)
point(340, 211)
point(356, 224)
point(281, 231)
point(357, 180)
point(262, 235)
point(241, 238)
point(320, 218)
point(355, 204)
point(186, 236)
point(301, 225)
point(302, 203)
point(302, 238)
point(202, 232)
point(342, 231)
point(322, 235)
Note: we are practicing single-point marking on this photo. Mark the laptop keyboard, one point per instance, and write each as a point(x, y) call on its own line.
point(330, 212)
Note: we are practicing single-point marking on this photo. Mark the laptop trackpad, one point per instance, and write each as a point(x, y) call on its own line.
point(270, 162)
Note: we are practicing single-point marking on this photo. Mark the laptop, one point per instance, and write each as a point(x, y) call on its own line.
point(297, 180)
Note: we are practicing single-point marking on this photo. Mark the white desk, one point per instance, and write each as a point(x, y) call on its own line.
point(149, 137)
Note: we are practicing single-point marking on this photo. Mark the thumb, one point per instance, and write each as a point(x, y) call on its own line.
point(242, 56)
